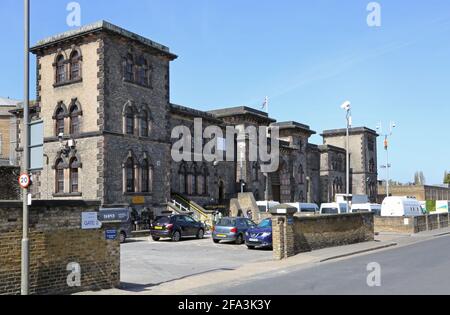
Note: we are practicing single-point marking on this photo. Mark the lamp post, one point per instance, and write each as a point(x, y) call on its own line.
point(392, 125)
point(25, 161)
point(347, 107)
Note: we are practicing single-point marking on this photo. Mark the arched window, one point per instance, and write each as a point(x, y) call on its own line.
point(191, 184)
point(144, 124)
point(60, 116)
point(60, 69)
point(129, 176)
point(147, 175)
point(301, 174)
point(182, 173)
point(59, 176)
point(74, 120)
point(129, 121)
point(74, 165)
point(129, 68)
point(75, 66)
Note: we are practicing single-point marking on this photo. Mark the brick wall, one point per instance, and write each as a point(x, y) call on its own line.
point(56, 239)
point(312, 233)
point(9, 186)
point(411, 225)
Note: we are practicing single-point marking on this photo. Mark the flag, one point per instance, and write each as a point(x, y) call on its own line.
point(386, 143)
point(265, 105)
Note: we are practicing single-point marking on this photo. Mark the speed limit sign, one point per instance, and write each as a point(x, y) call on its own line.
point(24, 181)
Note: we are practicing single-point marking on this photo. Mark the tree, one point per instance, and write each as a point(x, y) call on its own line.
point(447, 178)
point(419, 179)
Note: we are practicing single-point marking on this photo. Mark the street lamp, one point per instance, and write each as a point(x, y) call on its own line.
point(347, 107)
point(392, 125)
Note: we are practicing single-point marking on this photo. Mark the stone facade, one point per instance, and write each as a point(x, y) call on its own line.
point(104, 96)
point(421, 192)
point(56, 240)
point(9, 188)
point(8, 132)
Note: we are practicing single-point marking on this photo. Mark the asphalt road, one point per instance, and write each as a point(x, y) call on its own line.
point(145, 263)
point(422, 268)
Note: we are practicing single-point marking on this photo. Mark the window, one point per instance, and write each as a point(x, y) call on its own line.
point(200, 184)
point(60, 69)
point(144, 124)
point(146, 177)
point(74, 175)
point(190, 184)
point(60, 116)
point(129, 174)
point(59, 168)
point(75, 66)
point(142, 77)
point(74, 120)
point(129, 122)
point(129, 69)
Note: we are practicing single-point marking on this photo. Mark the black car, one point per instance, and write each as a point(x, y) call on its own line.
point(177, 227)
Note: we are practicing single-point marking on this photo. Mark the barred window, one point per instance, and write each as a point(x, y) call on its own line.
point(59, 168)
point(74, 175)
point(60, 69)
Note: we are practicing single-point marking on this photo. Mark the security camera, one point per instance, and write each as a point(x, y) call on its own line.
point(346, 105)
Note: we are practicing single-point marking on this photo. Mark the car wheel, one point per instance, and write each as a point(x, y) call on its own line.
point(155, 238)
point(200, 234)
point(176, 237)
point(239, 239)
point(250, 247)
point(216, 241)
point(122, 237)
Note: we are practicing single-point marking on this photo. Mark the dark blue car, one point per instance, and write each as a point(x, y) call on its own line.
point(260, 236)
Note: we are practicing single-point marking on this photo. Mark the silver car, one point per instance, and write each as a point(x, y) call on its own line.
point(232, 230)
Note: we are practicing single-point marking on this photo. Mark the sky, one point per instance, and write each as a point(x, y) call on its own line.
point(308, 57)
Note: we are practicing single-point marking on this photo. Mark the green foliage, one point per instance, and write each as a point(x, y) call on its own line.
point(446, 178)
point(431, 206)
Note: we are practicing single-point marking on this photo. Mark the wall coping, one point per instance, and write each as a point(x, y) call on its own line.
point(51, 203)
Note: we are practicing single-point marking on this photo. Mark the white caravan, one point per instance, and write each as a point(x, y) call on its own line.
point(354, 199)
point(367, 207)
point(305, 208)
point(333, 208)
point(264, 206)
point(401, 207)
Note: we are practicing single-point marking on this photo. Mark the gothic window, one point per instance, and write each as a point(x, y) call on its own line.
point(60, 117)
point(183, 179)
point(142, 75)
point(74, 185)
point(60, 69)
point(372, 166)
point(301, 174)
point(190, 184)
point(144, 124)
point(129, 176)
point(75, 119)
point(59, 176)
point(129, 121)
point(371, 144)
point(75, 66)
point(200, 184)
point(147, 177)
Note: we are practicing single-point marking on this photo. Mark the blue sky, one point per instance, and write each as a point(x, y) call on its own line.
point(307, 56)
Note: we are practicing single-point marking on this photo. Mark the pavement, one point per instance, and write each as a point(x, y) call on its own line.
point(201, 267)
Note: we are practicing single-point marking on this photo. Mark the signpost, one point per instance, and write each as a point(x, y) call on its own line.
point(24, 181)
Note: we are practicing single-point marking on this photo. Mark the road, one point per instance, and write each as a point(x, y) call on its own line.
point(421, 268)
point(146, 264)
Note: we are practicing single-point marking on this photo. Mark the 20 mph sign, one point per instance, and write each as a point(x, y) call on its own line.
point(24, 181)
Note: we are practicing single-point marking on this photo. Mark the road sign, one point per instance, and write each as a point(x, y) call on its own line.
point(24, 181)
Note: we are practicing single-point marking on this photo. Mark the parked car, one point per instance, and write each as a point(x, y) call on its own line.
point(232, 230)
point(118, 215)
point(177, 227)
point(367, 207)
point(401, 207)
point(260, 236)
point(333, 208)
point(305, 208)
point(264, 206)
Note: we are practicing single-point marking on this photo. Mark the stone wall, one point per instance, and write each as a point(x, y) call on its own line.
point(56, 240)
point(312, 233)
point(9, 186)
point(411, 225)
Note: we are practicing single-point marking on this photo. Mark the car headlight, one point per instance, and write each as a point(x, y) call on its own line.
point(266, 234)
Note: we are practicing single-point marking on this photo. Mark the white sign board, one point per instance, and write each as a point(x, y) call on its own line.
point(89, 221)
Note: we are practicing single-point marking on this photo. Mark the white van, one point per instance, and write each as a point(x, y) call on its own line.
point(305, 208)
point(333, 208)
point(401, 207)
point(264, 206)
point(367, 207)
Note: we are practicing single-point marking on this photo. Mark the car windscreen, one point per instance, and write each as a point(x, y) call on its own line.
point(330, 211)
point(308, 210)
point(163, 220)
point(265, 224)
point(226, 222)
